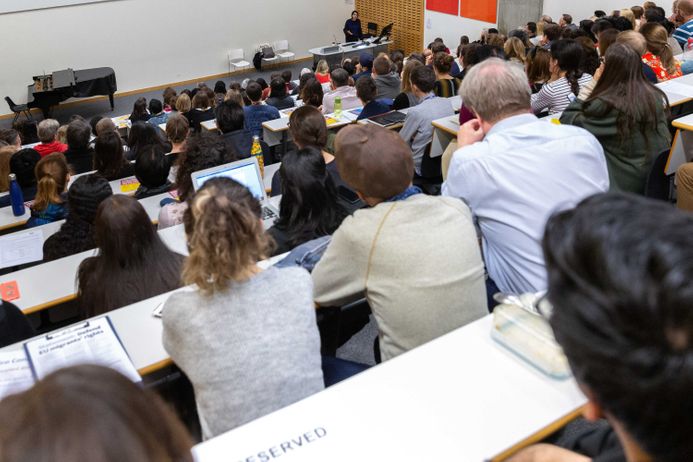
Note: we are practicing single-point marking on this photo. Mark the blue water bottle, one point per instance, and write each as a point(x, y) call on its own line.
point(16, 196)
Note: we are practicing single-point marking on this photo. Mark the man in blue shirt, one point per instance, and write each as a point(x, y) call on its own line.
point(683, 33)
point(257, 112)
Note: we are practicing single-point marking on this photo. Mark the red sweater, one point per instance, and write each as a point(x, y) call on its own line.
point(49, 148)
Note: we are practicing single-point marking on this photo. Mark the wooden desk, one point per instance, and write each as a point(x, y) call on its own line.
point(444, 131)
point(682, 145)
point(459, 397)
point(141, 332)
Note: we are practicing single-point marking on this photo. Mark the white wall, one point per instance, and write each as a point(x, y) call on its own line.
point(450, 27)
point(153, 42)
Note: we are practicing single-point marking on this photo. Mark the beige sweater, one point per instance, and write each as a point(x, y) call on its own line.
point(416, 261)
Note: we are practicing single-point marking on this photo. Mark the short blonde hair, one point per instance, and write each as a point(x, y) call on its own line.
point(183, 103)
point(225, 236)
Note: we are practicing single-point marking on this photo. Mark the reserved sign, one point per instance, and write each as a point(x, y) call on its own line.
point(284, 447)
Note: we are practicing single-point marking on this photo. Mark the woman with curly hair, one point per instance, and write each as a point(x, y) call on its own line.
point(241, 321)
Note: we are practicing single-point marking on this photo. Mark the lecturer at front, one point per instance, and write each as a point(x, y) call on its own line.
point(352, 28)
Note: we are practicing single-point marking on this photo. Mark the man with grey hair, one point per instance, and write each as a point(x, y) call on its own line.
point(514, 170)
point(340, 88)
point(48, 135)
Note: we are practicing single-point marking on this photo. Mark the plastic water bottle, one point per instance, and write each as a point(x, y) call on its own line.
point(338, 107)
point(688, 51)
point(16, 196)
point(256, 151)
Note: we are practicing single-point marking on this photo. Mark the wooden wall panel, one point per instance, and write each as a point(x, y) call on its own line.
point(408, 16)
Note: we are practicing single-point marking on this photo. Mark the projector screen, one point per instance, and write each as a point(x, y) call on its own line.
point(12, 6)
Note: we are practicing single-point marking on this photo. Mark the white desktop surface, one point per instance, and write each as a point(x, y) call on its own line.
point(460, 397)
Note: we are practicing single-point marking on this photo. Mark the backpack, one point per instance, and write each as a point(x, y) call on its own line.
point(257, 61)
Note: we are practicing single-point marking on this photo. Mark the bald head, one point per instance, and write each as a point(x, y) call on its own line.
point(496, 89)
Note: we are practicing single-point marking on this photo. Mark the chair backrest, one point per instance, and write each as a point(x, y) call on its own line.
point(431, 166)
point(236, 54)
point(281, 45)
point(10, 103)
point(372, 28)
point(659, 184)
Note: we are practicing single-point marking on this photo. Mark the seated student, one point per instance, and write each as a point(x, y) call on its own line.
point(152, 169)
point(446, 85)
point(204, 150)
point(364, 66)
point(201, 111)
point(76, 234)
point(386, 81)
point(340, 88)
point(177, 131)
point(132, 263)
point(417, 130)
point(219, 92)
point(538, 68)
point(367, 93)
point(239, 141)
point(242, 321)
point(48, 134)
point(14, 326)
point(183, 104)
point(564, 164)
point(407, 98)
point(423, 271)
point(156, 109)
point(312, 93)
point(52, 177)
point(79, 155)
point(143, 134)
point(302, 80)
point(290, 85)
point(11, 137)
point(257, 113)
point(555, 96)
point(6, 153)
point(659, 56)
point(93, 122)
point(22, 164)
point(139, 111)
point(307, 127)
point(624, 324)
point(112, 418)
point(278, 96)
point(322, 71)
point(109, 157)
point(627, 114)
point(309, 207)
point(169, 96)
point(105, 125)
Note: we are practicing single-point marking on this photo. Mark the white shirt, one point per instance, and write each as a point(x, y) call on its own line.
point(524, 170)
point(348, 95)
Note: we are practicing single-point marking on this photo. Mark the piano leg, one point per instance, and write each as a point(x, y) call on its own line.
point(110, 99)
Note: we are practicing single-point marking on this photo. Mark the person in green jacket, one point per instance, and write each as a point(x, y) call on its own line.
point(628, 115)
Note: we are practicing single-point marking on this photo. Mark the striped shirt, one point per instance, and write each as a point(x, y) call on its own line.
point(555, 96)
point(683, 33)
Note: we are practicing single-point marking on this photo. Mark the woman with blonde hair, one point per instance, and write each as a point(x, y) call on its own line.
point(322, 72)
point(52, 177)
point(406, 98)
point(515, 51)
point(183, 103)
point(659, 55)
point(239, 321)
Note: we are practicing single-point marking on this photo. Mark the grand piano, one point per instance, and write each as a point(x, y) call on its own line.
point(50, 90)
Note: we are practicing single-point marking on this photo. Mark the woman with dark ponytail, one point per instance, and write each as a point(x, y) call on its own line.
point(446, 85)
point(566, 78)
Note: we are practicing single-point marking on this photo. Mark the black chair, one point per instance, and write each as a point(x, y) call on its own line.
point(659, 185)
point(372, 29)
point(18, 109)
point(431, 178)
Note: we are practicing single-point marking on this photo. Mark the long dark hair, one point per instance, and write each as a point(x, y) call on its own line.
point(309, 207)
point(623, 87)
point(76, 234)
point(109, 159)
point(144, 134)
point(568, 54)
point(133, 263)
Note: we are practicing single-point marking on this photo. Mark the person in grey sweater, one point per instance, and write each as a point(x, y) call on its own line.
point(415, 258)
point(387, 82)
point(246, 338)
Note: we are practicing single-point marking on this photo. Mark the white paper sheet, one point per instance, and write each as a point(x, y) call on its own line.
point(92, 342)
point(15, 373)
point(19, 248)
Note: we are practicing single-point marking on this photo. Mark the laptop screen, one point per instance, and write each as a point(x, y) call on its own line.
point(245, 174)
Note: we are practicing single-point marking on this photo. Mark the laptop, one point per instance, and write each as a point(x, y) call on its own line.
point(247, 173)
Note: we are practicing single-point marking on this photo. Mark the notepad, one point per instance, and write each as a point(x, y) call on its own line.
point(91, 342)
point(129, 185)
point(19, 248)
point(15, 373)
